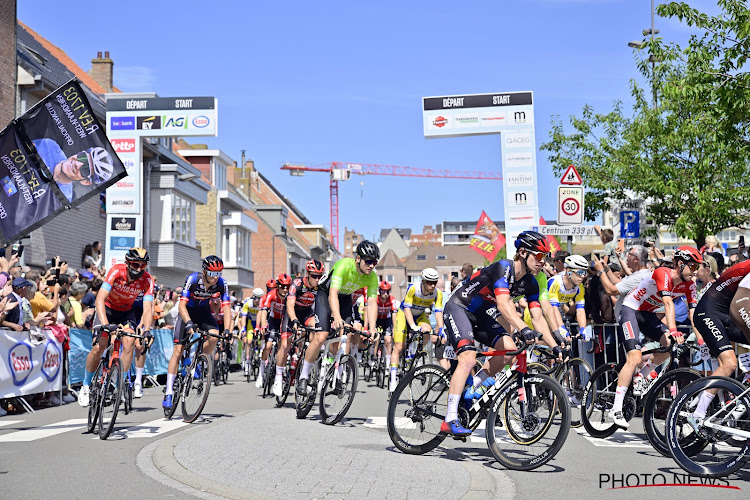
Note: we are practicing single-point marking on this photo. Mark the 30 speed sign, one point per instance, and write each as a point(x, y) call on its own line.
point(570, 205)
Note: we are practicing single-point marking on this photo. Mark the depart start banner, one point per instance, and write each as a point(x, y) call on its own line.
point(52, 158)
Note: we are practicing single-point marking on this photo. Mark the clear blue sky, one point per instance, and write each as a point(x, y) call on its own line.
point(317, 82)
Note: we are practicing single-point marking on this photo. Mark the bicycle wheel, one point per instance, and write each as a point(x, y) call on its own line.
point(176, 394)
point(127, 396)
point(338, 392)
point(111, 397)
point(94, 403)
point(217, 371)
point(303, 404)
point(379, 373)
point(225, 369)
point(286, 378)
point(573, 380)
point(539, 414)
point(417, 409)
point(723, 454)
point(366, 369)
point(599, 392)
point(195, 390)
point(658, 400)
point(269, 374)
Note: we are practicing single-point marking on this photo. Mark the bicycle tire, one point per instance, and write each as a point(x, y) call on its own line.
point(127, 397)
point(94, 391)
point(225, 371)
point(110, 399)
point(419, 402)
point(330, 412)
point(303, 404)
point(217, 372)
point(366, 370)
point(558, 417)
point(176, 394)
point(734, 458)
point(286, 381)
point(535, 401)
point(656, 407)
point(195, 391)
point(600, 390)
point(573, 381)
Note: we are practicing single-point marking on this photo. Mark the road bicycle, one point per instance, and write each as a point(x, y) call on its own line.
point(253, 364)
point(221, 364)
point(193, 381)
point(106, 393)
point(269, 373)
point(375, 364)
point(296, 352)
point(527, 416)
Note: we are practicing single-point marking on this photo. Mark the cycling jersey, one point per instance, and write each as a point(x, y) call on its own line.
point(346, 277)
point(418, 301)
point(541, 280)
point(559, 294)
point(474, 293)
point(385, 309)
point(275, 305)
point(250, 311)
point(196, 294)
point(723, 289)
point(648, 295)
point(304, 295)
point(123, 293)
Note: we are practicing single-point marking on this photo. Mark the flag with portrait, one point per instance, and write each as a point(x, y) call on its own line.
point(487, 239)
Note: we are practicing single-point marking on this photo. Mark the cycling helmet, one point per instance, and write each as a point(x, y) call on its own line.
point(315, 267)
point(688, 254)
point(429, 274)
point(368, 250)
point(384, 285)
point(137, 254)
point(270, 284)
point(101, 165)
point(283, 279)
point(533, 241)
point(257, 293)
point(213, 263)
point(576, 262)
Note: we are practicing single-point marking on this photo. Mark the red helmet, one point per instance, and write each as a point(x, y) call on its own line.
point(315, 267)
point(384, 285)
point(270, 284)
point(213, 263)
point(283, 279)
point(688, 254)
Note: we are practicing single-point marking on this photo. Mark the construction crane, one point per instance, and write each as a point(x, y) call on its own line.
point(339, 171)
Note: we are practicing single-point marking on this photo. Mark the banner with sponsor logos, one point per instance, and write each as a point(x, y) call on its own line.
point(487, 239)
point(28, 367)
point(60, 140)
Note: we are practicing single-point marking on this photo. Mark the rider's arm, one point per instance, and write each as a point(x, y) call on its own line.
point(291, 299)
point(554, 299)
point(227, 316)
point(407, 304)
point(580, 308)
point(372, 309)
point(101, 309)
point(508, 311)
point(540, 325)
point(669, 314)
point(147, 320)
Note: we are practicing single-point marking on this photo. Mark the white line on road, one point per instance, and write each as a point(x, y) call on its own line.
point(156, 427)
point(44, 431)
point(620, 438)
point(9, 422)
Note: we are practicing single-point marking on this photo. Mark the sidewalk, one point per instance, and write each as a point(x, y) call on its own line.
point(269, 453)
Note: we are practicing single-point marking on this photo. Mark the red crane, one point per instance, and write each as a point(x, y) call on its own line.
point(339, 171)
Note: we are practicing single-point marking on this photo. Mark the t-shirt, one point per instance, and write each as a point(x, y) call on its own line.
point(89, 300)
point(77, 319)
point(346, 277)
point(626, 285)
point(40, 303)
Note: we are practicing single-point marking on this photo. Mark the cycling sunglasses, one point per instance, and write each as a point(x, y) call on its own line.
point(371, 262)
point(693, 266)
point(138, 265)
point(540, 256)
point(213, 274)
point(581, 272)
point(430, 283)
point(316, 276)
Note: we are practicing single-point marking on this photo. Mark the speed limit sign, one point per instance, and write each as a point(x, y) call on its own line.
point(570, 205)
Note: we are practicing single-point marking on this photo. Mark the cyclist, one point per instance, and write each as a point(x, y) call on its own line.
point(484, 301)
point(114, 306)
point(566, 287)
point(637, 316)
point(333, 304)
point(249, 313)
point(412, 314)
point(300, 305)
point(274, 311)
point(195, 313)
point(387, 307)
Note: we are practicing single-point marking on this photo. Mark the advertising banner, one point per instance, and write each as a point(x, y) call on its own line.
point(487, 239)
point(29, 367)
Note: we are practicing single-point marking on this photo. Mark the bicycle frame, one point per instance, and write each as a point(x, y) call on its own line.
point(710, 422)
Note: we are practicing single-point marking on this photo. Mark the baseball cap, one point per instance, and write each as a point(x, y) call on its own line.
point(21, 282)
point(86, 274)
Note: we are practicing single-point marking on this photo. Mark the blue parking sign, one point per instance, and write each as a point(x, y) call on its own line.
point(630, 226)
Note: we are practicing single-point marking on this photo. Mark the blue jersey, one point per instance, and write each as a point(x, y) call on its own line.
point(196, 294)
point(479, 290)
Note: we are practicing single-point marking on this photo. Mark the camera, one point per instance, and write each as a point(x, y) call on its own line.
point(56, 279)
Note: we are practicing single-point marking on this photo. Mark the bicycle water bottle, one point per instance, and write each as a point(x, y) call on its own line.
point(185, 365)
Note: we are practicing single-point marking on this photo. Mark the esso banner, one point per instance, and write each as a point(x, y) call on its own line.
point(29, 367)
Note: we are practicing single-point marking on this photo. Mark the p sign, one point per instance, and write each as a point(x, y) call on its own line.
point(630, 226)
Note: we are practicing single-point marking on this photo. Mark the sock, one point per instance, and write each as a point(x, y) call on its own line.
point(279, 372)
point(88, 378)
point(480, 377)
point(452, 413)
point(306, 366)
point(705, 401)
point(138, 375)
point(619, 397)
point(356, 354)
point(170, 383)
point(394, 369)
point(387, 360)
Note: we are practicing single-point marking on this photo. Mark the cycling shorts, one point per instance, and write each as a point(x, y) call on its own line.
point(323, 310)
point(386, 324)
point(274, 328)
point(304, 316)
point(202, 318)
point(715, 325)
point(400, 327)
point(124, 318)
point(248, 336)
point(634, 323)
point(463, 327)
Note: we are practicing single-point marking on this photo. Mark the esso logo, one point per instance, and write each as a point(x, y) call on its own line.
point(20, 363)
point(123, 145)
point(201, 121)
point(52, 358)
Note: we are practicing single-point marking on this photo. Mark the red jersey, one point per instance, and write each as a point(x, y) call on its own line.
point(647, 296)
point(723, 289)
point(121, 293)
point(385, 309)
point(362, 292)
point(303, 294)
point(275, 305)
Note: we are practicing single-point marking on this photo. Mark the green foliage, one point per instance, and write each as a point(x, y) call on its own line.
point(689, 156)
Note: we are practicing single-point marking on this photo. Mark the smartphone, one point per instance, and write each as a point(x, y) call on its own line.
point(742, 241)
point(56, 279)
point(19, 252)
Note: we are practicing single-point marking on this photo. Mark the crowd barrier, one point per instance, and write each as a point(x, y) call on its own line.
point(31, 363)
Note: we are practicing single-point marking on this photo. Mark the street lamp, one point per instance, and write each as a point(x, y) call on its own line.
point(652, 59)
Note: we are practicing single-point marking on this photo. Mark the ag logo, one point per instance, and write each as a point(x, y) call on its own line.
point(174, 122)
point(52, 357)
point(19, 361)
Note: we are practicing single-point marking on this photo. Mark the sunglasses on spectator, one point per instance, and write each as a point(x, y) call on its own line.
point(371, 262)
point(138, 265)
point(540, 256)
point(213, 274)
point(316, 276)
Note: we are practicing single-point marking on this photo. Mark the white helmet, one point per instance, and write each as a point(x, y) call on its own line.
point(429, 274)
point(257, 293)
point(101, 165)
point(576, 262)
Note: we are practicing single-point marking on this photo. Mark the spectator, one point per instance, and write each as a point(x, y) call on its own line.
point(607, 236)
point(6, 289)
point(466, 271)
point(78, 314)
point(706, 274)
point(559, 261)
point(41, 302)
point(14, 318)
point(720, 262)
point(713, 245)
point(636, 260)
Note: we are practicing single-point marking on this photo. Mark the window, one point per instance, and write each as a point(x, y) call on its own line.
point(669, 237)
point(442, 257)
point(182, 219)
point(243, 248)
point(390, 278)
point(728, 236)
point(227, 245)
point(220, 176)
point(421, 257)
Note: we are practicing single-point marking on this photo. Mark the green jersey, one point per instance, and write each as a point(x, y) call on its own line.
point(346, 277)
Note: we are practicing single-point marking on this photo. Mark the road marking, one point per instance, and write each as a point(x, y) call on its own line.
point(620, 438)
point(156, 427)
point(9, 422)
point(44, 431)
point(479, 435)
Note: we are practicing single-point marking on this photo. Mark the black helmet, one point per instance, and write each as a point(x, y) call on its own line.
point(213, 263)
point(533, 241)
point(368, 250)
point(137, 254)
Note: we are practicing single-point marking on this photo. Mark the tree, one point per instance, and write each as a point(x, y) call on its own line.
point(690, 155)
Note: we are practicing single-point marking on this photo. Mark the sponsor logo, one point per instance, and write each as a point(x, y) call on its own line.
point(466, 120)
point(522, 218)
point(122, 243)
point(201, 121)
point(519, 116)
point(522, 159)
point(51, 365)
point(493, 119)
point(517, 140)
point(520, 179)
point(149, 122)
point(174, 122)
point(639, 294)
point(123, 203)
point(123, 224)
point(724, 284)
point(122, 123)
point(520, 198)
point(123, 145)
point(128, 163)
point(440, 121)
point(470, 289)
point(713, 328)
point(745, 316)
point(20, 363)
point(125, 184)
point(8, 186)
point(3, 213)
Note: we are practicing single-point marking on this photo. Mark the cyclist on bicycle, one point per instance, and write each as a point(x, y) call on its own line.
point(566, 287)
point(638, 316)
point(195, 313)
point(114, 306)
point(249, 313)
point(387, 307)
point(299, 311)
point(274, 308)
point(412, 314)
point(484, 302)
point(333, 304)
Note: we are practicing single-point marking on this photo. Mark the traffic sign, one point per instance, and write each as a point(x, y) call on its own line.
point(630, 224)
point(571, 177)
point(565, 230)
point(569, 205)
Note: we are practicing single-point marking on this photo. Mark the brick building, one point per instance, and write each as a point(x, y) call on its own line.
point(351, 240)
point(7, 61)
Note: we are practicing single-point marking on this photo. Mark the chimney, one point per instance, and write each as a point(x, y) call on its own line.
point(101, 70)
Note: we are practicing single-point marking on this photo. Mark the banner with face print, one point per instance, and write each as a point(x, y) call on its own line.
point(487, 239)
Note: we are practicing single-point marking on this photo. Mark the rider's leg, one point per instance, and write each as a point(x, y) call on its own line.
point(174, 363)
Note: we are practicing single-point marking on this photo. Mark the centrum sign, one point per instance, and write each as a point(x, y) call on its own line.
point(565, 230)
